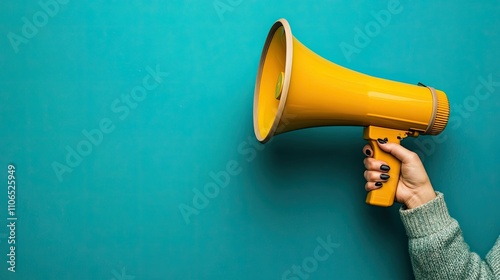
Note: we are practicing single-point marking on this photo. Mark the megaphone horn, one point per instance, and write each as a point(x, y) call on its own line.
point(294, 81)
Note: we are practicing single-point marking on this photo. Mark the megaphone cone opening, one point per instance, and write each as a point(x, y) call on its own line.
point(273, 80)
point(322, 93)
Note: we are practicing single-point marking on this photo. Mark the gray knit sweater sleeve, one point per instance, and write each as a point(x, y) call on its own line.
point(437, 248)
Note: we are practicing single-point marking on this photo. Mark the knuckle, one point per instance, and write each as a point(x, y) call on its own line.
point(413, 156)
point(374, 165)
point(369, 163)
point(373, 176)
point(370, 186)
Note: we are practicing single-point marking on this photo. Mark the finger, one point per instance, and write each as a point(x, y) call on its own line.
point(376, 165)
point(368, 151)
point(375, 176)
point(400, 152)
point(370, 186)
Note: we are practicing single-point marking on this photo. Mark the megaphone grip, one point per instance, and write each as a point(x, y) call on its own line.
point(384, 196)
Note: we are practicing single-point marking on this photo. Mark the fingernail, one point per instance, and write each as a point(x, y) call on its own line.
point(382, 141)
point(384, 176)
point(385, 167)
point(378, 184)
point(368, 152)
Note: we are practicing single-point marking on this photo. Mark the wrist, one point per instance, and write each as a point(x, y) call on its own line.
point(421, 197)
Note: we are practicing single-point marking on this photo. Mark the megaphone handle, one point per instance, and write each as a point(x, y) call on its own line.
point(384, 196)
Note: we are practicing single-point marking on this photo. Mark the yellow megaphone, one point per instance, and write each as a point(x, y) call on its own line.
point(296, 88)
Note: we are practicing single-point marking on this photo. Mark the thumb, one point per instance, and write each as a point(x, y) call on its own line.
point(398, 151)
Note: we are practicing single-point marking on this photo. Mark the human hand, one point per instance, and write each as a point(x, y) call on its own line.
point(414, 187)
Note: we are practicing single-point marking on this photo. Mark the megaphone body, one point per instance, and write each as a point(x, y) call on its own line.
point(296, 88)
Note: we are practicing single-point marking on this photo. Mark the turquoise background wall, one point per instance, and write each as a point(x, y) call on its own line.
point(129, 125)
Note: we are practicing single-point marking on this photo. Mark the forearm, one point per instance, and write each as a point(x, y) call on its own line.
point(437, 248)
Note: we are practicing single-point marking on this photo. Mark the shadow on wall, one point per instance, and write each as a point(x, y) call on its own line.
point(318, 166)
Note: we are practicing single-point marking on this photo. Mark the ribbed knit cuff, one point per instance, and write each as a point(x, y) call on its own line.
point(427, 218)
point(493, 258)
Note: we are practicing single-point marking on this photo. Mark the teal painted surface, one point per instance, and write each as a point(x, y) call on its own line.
point(76, 81)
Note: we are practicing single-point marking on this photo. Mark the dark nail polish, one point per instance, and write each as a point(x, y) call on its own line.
point(384, 176)
point(368, 152)
point(385, 167)
point(382, 141)
point(378, 184)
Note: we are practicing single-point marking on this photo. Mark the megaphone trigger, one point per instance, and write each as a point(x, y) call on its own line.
point(385, 195)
